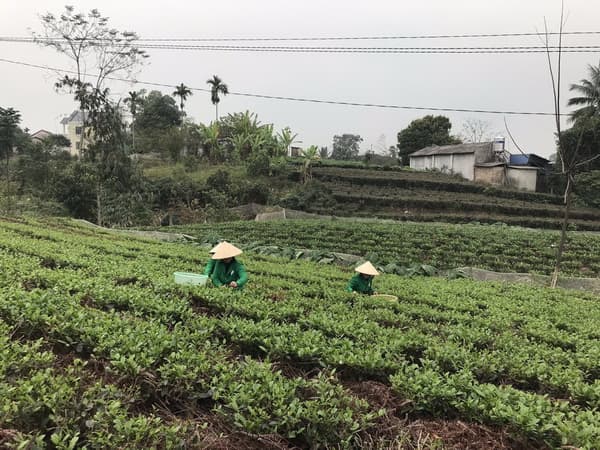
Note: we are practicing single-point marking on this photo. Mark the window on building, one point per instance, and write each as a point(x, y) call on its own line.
point(78, 130)
point(77, 145)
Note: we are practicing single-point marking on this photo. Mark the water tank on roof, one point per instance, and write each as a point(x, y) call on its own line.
point(498, 144)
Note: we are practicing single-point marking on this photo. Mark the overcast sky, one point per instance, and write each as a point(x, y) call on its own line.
point(517, 82)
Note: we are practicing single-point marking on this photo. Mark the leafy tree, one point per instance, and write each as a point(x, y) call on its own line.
point(421, 133)
point(346, 146)
point(192, 137)
point(9, 125)
point(588, 187)
point(581, 142)
point(589, 95)
point(77, 36)
point(134, 100)
point(392, 151)
point(183, 92)
point(40, 162)
point(324, 152)
point(216, 87)
point(157, 111)
point(107, 152)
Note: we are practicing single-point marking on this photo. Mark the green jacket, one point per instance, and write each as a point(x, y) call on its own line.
point(226, 273)
point(360, 284)
point(210, 265)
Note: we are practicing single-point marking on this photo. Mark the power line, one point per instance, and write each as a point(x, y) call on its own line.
point(298, 99)
point(348, 38)
point(371, 50)
point(384, 50)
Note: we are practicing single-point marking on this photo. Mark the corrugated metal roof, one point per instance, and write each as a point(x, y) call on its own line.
point(452, 149)
point(491, 164)
point(523, 167)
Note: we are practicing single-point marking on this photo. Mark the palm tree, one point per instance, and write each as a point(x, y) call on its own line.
point(134, 99)
point(183, 92)
point(217, 87)
point(590, 95)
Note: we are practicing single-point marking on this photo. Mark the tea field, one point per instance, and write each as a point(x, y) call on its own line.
point(445, 246)
point(100, 349)
point(427, 197)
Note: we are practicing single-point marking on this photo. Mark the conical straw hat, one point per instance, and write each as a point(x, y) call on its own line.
point(226, 250)
point(216, 247)
point(367, 268)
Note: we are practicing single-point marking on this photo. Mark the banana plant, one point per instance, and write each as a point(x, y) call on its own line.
point(310, 155)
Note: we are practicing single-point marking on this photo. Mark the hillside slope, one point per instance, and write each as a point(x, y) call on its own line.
point(430, 196)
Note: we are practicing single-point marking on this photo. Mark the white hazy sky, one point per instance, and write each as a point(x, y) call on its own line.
point(498, 82)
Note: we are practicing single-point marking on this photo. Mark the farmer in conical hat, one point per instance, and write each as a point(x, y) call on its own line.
point(227, 270)
point(362, 282)
point(210, 265)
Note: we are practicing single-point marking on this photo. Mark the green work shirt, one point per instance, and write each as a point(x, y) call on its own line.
point(208, 270)
point(224, 274)
point(360, 284)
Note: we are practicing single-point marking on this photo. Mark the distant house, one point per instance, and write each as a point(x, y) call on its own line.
point(485, 162)
point(460, 159)
point(40, 135)
point(73, 130)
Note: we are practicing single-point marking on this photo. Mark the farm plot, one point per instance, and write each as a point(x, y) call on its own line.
point(499, 248)
point(427, 197)
point(101, 349)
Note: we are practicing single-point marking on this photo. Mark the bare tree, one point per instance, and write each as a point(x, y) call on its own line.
point(568, 155)
point(475, 131)
point(98, 52)
point(381, 147)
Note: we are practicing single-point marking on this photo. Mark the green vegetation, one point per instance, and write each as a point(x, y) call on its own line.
point(101, 349)
point(431, 196)
point(498, 248)
point(424, 132)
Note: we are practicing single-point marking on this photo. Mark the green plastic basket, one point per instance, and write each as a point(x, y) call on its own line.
point(190, 278)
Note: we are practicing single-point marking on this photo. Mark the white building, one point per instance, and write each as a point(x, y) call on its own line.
point(73, 129)
point(459, 159)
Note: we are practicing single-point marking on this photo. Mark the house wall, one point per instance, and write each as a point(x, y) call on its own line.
point(461, 164)
point(522, 178)
point(464, 165)
point(71, 133)
point(443, 162)
point(484, 155)
point(490, 175)
point(419, 162)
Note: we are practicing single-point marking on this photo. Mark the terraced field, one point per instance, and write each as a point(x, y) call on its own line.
point(101, 350)
point(426, 197)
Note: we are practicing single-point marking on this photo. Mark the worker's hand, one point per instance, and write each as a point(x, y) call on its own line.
point(233, 284)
